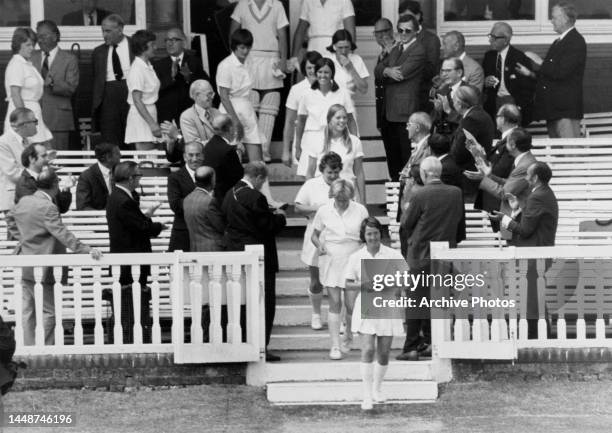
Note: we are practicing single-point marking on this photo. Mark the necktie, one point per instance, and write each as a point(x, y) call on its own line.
point(175, 67)
point(498, 67)
point(116, 64)
point(91, 19)
point(25, 142)
point(207, 115)
point(44, 69)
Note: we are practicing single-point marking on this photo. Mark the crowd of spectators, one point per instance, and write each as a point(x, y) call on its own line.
point(438, 111)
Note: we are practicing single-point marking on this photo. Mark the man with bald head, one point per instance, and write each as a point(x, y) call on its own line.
point(180, 184)
point(453, 45)
point(176, 72)
point(434, 215)
point(196, 121)
point(503, 84)
point(222, 156)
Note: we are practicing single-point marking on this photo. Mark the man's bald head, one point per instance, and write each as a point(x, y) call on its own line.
point(205, 177)
point(222, 124)
point(431, 168)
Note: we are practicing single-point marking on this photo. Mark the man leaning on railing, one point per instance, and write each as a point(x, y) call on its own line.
point(36, 223)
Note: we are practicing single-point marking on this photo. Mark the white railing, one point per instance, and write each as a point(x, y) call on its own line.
point(180, 284)
point(573, 291)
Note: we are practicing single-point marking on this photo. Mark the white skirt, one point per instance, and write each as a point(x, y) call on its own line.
point(248, 118)
point(310, 140)
point(379, 327)
point(310, 254)
point(43, 133)
point(137, 129)
point(332, 266)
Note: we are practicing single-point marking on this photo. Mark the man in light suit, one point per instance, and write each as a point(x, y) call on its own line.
point(111, 63)
point(453, 45)
point(95, 183)
point(196, 121)
point(36, 223)
point(89, 15)
point(201, 212)
point(401, 73)
point(176, 72)
point(60, 70)
point(12, 143)
point(434, 215)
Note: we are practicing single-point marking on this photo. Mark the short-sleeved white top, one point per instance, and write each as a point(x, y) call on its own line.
point(296, 93)
point(353, 268)
point(314, 192)
point(348, 158)
point(234, 75)
point(142, 77)
point(339, 228)
point(315, 105)
point(21, 72)
point(343, 77)
point(263, 23)
point(325, 19)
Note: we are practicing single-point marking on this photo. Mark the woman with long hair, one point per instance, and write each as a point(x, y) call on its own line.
point(338, 139)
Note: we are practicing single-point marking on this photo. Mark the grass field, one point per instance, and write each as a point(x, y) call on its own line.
point(516, 406)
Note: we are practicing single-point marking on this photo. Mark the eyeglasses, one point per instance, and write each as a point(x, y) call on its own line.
point(35, 122)
point(137, 175)
point(173, 40)
point(446, 71)
point(495, 37)
point(378, 32)
point(406, 31)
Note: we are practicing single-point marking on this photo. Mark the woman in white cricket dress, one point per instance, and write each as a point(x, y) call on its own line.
point(311, 196)
point(351, 71)
point(376, 335)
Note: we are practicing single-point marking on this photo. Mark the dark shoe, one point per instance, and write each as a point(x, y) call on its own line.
point(425, 351)
point(413, 355)
point(270, 357)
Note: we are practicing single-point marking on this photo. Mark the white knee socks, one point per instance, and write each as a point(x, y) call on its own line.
point(379, 375)
point(366, 377)
point(333, 320)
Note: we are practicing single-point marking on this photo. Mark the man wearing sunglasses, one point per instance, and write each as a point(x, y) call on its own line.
point(400, 72)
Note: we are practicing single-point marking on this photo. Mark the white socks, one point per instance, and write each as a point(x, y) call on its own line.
point(379, 375)
point(366, 369)
point(333, 320)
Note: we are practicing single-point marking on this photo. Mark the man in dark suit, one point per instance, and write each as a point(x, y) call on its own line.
point(558, 97)
point(250, 221)
point(109, 95)
point(60, 70)
point(180, 184)
point(401, 73)
point(383, 33)
point(95, 183)
point(445, 115)
point(89, 15)
point(130, 231)
point(34, 158)
point(479, 124)
point(222, 157)
point(430, 40)
point(534, 225)
point(434, 215)
point(36, 223)
point(503, 84)
point(176, 72)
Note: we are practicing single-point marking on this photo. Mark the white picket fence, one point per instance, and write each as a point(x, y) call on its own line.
point(180, 284)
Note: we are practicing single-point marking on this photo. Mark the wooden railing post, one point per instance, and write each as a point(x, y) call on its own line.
point(78, 300)
point(116, 287)
point(97, 294)
point(39, 330)
point(58, 289)
point(18, 303)
point(155, 327)
point(233, 290)
point(136, 297)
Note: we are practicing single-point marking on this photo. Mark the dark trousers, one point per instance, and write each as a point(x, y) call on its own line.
point(534, 310)
point(397, 146)
point(179, 240)
point(113, 111)
point(418, 320)
point(127, 314)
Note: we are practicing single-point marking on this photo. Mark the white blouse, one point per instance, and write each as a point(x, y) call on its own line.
point(315, 105)
point(142, 77)
point(340, 228)
point(21, 72)
point(235, 76)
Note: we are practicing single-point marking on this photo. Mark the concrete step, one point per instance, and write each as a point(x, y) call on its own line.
point(349, 392)
point(304, 338)
point(296, 311)
point(292, 282)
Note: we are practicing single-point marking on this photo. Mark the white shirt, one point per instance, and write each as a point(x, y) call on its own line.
point(353, 267)
point(248, 182)
point(296, 93)
point(407, 45)
point(348, 158)
point(142, 77)
point(235, 76)
point(315, 105)
point(32, 173)
point(128, 192)
point(343, 77)
point(441, 157)
point(503, 90)
point(314, 192)
point(454, 88)
point(191, 173)
point(340, 228)
point(106, 175)
point(22, 73)
point(123, 51)
point(507, 133)
point(179, 58)
point(263, 23)
point(52, 55)
point(324, 20)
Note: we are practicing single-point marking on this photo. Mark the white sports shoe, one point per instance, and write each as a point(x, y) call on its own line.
point(335, 353)
point(378, 397)
point(315, 322)
point(367, 405)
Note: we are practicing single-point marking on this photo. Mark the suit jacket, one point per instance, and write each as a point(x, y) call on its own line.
point(26, 185)
point(430, 40)
point(174, 93)
point(99, 58)
point(180, 185)
point(195, 129)
point(538, 222)
point(76, 18)
point(480, 125)
point(91, 191)
point(433, 216)
point(379, 92)
point(56, 101)
point(559, 87)
point(521, 88)
point(502, 164)
point(452, 175)
point(250, 221)
point(198, 209)
point(222, 156)
point(36, 223)
point(10, 167)
point(402, 97)
point(129, 231)
point(473, 73)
